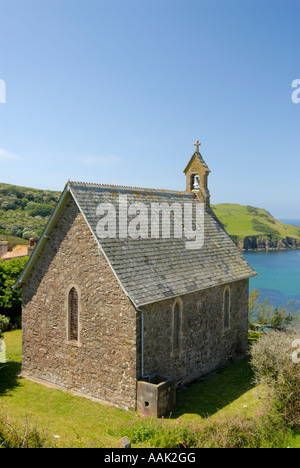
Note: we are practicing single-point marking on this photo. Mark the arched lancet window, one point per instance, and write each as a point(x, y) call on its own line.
point(73, 315)
point(226, 308)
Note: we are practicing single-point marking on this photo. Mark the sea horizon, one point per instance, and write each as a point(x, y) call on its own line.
point(292, 221)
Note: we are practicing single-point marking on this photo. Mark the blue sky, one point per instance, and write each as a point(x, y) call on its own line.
point(118, 91)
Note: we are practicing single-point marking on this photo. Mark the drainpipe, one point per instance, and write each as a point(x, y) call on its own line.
point(142, 339)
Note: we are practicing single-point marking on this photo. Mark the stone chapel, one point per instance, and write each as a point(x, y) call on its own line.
point(102, 316)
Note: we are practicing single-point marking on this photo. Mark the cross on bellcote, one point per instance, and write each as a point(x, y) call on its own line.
point(197, 144)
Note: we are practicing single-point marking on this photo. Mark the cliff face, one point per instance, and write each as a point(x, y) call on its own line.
point(266, 243)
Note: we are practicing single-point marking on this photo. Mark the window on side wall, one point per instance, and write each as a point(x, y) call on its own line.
point(73, 315)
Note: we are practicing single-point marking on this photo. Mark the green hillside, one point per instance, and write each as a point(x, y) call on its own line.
point(248, 224)
point(24, 211)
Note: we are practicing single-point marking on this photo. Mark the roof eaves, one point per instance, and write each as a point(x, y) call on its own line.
point(200, 289)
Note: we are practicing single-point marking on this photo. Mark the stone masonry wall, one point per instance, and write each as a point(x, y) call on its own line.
point(204, 344)
point(103, 364)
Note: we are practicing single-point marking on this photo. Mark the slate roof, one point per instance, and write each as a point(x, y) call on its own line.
point(150, 270)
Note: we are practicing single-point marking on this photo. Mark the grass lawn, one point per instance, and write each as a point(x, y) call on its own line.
point(72, 421)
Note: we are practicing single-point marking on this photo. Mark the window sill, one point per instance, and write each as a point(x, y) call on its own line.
point(75, 344)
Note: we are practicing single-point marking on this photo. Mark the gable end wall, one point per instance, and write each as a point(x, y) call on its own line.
point(103, 364)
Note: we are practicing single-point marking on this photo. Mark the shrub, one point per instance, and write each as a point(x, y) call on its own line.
point(39, 209)
point(25, 437)
point(4, 323)
point(271, 359)
point(18, 322)
point(8, 205)
point(11, 190)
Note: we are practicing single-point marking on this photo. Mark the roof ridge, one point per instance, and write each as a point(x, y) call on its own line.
point(71, 182)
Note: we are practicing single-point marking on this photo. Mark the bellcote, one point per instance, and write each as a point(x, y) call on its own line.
point(196, 173)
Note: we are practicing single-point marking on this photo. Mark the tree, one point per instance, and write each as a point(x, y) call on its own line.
point(39, 209)
point(263, 315)
point(10, 299)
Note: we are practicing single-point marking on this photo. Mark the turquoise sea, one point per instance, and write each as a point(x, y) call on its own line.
point(278, 273)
